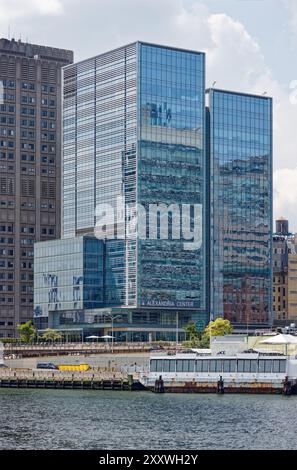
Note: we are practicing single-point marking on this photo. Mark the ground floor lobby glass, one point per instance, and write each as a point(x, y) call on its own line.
point(123, 324)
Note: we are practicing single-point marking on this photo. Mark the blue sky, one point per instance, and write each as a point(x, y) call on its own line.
point(251, 46)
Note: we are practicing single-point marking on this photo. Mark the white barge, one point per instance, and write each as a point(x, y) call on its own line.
point(240, 373)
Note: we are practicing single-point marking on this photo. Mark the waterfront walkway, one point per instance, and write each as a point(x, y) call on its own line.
point(40, 349)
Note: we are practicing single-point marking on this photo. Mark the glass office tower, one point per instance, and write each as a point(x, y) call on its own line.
point(240, 152)
point(171, 170)
point(136, 138)
point(134, 132)
point(68, 278)
point(100, 144)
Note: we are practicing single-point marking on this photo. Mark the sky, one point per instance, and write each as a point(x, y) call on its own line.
point(251, 46)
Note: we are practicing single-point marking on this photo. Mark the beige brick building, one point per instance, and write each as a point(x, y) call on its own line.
point(285, 276)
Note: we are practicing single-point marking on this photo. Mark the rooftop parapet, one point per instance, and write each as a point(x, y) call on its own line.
point(24, 49)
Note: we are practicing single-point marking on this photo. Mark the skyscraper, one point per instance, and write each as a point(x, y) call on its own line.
point(134, 135)
point(179, 194)
point(240, 154)
point(30, 168)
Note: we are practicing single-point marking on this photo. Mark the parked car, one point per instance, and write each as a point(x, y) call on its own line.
point(46, 365)
point(156, 347)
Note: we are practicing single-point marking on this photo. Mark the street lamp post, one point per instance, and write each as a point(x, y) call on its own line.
point(176, 346)
point(112, 337)
point(112, 319)
point(211, 319)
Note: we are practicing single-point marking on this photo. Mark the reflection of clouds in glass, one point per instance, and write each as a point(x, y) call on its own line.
point(241, 200)
point(65, 270)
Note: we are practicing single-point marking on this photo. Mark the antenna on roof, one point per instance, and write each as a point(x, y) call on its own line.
point(265, 93)
point(9, 32)
point(214, 83)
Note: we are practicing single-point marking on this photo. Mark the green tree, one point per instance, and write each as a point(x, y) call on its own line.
point(27, 332)
point(219, 327)
point(204, 341)
point(193, 333)
point(51, 335)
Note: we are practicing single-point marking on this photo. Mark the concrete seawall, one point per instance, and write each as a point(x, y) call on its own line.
point(90, 380)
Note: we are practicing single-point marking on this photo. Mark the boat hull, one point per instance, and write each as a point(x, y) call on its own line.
point(211, 388)
point(266, 388)
point(251, 373)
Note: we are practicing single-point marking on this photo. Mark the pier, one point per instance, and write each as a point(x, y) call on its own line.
point(64, 380)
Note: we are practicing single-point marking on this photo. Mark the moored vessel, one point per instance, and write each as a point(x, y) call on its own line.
point(241, 373)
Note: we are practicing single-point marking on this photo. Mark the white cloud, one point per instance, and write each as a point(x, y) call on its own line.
point(235, 61)
point(15, 9)
point(285, 195)
point(234, 58)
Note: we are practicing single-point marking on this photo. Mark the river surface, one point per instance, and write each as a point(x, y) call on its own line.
point(70, 419)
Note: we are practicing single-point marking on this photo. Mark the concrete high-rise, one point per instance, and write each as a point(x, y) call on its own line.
point(30, 168)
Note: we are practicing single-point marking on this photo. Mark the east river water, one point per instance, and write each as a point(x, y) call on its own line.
point(69, 419)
